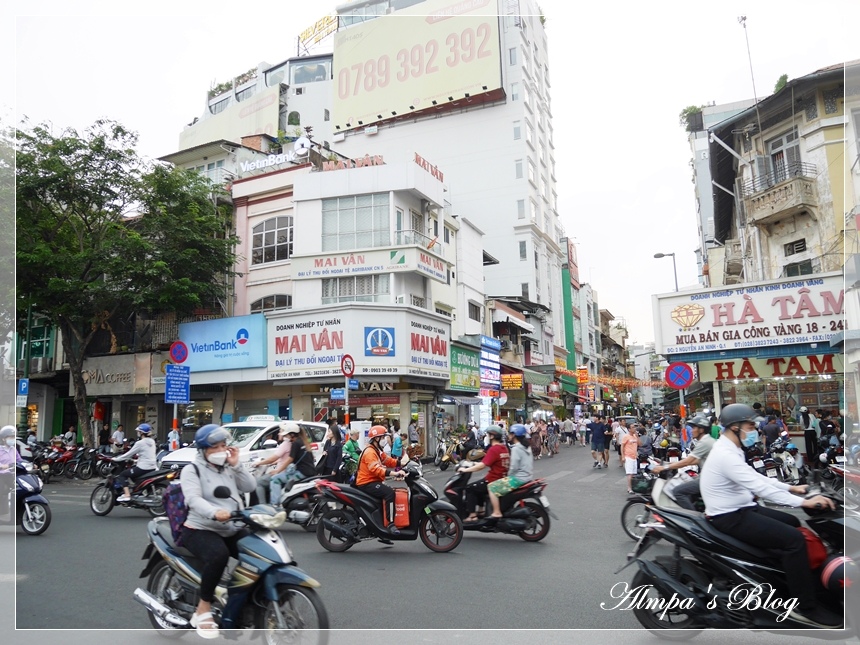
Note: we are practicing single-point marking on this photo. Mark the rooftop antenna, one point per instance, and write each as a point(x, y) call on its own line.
point(743, 22)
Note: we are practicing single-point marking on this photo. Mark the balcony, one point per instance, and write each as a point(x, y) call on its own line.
point(790, 190)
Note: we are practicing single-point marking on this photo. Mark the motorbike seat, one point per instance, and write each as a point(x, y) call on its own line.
point(163, 530)
point(763, 554)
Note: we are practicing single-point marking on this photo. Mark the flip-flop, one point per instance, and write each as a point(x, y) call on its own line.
point(205, 619)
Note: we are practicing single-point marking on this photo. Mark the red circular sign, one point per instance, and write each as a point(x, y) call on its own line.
point(178, 352)
point(679, 375)
point(347, 366)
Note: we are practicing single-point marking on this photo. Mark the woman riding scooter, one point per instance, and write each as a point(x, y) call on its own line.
point(144, 449)
point(374, 466)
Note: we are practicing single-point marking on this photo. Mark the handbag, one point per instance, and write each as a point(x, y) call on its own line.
point(320, 467)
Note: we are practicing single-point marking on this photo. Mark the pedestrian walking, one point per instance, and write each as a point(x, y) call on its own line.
point(117, 439)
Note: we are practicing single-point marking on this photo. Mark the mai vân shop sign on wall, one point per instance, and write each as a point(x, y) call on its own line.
point(784, 312)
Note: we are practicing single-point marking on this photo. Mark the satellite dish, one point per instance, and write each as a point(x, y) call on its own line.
point(302, 146)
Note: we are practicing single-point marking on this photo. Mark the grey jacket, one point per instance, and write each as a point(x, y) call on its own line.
point(522, 463)
point(199, 492)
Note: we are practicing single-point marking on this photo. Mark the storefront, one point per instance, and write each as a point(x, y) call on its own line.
point(513, 395)
point(490, 367)
point(460, 402)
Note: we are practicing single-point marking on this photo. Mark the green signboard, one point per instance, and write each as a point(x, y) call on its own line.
point(465, 369)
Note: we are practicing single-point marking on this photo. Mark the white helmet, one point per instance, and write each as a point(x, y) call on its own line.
point(7, 431)
point(289, 427)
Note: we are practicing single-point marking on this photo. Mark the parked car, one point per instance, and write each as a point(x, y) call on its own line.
point(249, 437)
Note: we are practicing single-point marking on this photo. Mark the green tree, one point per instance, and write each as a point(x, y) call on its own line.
point(100, 231)
point(780, 83)
point(684, 118)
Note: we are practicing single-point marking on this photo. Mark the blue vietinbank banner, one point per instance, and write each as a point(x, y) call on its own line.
point(225, 343)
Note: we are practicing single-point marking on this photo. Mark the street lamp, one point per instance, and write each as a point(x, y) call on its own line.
point(674, 268)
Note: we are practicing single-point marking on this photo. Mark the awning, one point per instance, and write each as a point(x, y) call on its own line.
point(504, 317)
point(462, 400)
point(536, 378)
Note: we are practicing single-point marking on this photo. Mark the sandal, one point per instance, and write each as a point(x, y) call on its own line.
point(205, 625)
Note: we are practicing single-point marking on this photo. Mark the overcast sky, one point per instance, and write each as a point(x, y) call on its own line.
point(619, 77)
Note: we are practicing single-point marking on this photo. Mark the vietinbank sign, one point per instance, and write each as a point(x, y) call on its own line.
point(225, 343)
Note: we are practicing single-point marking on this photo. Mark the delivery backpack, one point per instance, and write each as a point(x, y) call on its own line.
point(177, 510)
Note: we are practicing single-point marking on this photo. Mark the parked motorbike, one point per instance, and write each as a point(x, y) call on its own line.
point(845, 480)
point(105, 465)
point(452, 453)
point(762, 463)
point(706, 566)
point(27, 505)
point(525, 510)
point(361, 517)
point(265, 590)
point(81, 465)
point(146, 493)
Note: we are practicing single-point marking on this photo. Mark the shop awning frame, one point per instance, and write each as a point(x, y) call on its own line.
point(459, 399)
point(504, 317)
point(537, 378)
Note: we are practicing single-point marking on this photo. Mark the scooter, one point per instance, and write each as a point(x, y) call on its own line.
point(264, 590)
point(651, 490)
point(146, 493)
point(304, 504)
point(421, 514)
point(525, 510)
point(26, 504)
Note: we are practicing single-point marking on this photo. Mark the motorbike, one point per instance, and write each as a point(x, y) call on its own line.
point(525, 510)
point(146, 493)
point(452, 453)
point(362, 517)
point(763, 464)
point(651, 490)
point(303, 503)
point(27, 505)
point(81, 465)
point(846, 480)
point(264, 590)
point(695, 587)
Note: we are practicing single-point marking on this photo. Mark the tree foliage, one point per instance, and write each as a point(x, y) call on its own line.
point(684, 118)
point(101, 231)
point(780, 83)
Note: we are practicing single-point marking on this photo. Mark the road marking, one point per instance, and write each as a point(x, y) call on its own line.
point(591, 478)
point(11, 577)
point(558, 475)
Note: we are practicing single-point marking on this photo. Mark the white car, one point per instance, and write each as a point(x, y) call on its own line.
point(249, 437)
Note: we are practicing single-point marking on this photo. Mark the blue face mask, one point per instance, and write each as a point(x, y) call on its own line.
point(750, 438)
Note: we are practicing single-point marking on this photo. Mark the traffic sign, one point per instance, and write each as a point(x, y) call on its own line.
point(353, 384)
point(177, 385)
point(347, 366)
point(679, 375)
point(23, 390)
point(179, 352)
point(337, 393)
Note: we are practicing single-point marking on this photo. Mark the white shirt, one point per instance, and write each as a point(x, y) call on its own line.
point(729, 483)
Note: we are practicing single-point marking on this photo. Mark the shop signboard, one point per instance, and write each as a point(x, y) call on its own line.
point(401, 260)
point(311, 343)
point(109, 375)
point(512, 381)
point(790, 311)
point(465, 369)
point(490, 368)
point(775, 367)
point(225, 343)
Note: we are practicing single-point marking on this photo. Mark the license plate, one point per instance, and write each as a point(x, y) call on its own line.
point(758, 463)
point(771, 473)
point(544, 500)
point(840, 459)
point(672, 460)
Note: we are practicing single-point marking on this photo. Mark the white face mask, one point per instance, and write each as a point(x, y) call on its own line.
point(218, 458)
point(383, 442)
point(10, 442)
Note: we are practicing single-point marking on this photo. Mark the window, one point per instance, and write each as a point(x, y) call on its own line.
point(517, 130)
point(220, 106)
point(212, 171)
point(272, 303)
point(532, 173)
point(443, 312)
point(305, 71)
point(294, 118)
point(364, 288)
point(435, 228)
point(798, 246)
point(474, 312)
point(523, 252)
point(526, 97)
point(529, 134)
point(534, 213)
point(782, 160)
point(518, 168)
point(326, 115)
point(512, 55)
point(272, 240)
point(246, 93)
point(355, 222)
point(515, 92)
point(521, 209)
point(276, 75)
point(447, 235)
point(798, 268)
point(525, 290)
point(41, 334)
point(544, 191)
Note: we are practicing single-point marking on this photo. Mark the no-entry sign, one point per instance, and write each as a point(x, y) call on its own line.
point(679, 375)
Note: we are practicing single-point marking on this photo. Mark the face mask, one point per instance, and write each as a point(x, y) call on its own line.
point(10, 442)
point(750, 438)
point(218, 458)
point(383, 442)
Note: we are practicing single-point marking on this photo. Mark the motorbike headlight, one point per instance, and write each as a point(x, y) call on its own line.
point(269, 521)
point(25, 485)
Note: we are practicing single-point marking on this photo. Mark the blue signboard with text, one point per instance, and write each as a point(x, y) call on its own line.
point(177, 385)
point(225, 343)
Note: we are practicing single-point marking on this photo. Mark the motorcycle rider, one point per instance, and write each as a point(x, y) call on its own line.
point(144, 448)
point(206, 532)
point(374, 466)
point(298, 465)
point(728, 486)
point(498, 460)
point(520, 471)
point(686, 494)
point(281, 454)
point(9, 458)
point(351, 452)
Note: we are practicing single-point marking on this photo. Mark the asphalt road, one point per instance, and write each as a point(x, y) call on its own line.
point(80, 574)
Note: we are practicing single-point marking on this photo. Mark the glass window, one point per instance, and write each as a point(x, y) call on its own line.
point(532, 173)
point(220, 106)
point(246, 93)
point(798, 268)
point(276, 75)
point(518, 168)
point(529, 134)
point(523, 252)
point(326, 117)
point(521, 209)
point(447, 235)
point(365, 288)
point(515, 91)
point(474, 312)
point(355, 222)
point(524, 287)
point(294, 118)
point(517, 130)
point(512, 55)
point(272, 303)
point(534, 213)
point(272, 240)
point(309, 71)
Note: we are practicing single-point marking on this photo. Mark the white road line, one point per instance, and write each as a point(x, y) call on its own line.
point(591, 478)
point(558, 475)
point(11, 577)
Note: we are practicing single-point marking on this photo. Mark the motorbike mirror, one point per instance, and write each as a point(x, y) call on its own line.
point(222, 492)
point(270, 443)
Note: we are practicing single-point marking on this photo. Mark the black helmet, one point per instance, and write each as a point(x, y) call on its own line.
point(701, 421)
point(736, 413)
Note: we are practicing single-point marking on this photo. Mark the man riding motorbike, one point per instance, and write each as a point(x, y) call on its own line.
point(374, 466)
point(728, 486)
point(520, 471)
point(9, 458)
point(686, 494)
point(498, 461)
point(144, 449)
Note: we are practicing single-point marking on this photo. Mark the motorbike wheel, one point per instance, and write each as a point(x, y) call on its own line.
point(672, 625)
point(85, 471)
point(41, 519)
point(103, 469)
point(102, 500)
point(448, 535)
point(328, 540)
point(633, 514)
point(444, 465)
point(303, 612)
point(157, 491)
point(58, 469)
point(541, 527)
point(164, 585)
point(317, 512)
point(437, 459)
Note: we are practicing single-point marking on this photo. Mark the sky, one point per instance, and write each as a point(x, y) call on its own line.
point(620, 75)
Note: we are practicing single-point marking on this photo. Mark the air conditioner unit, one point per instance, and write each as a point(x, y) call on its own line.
point(518, 350)
point(506, 345)
point(37, 365)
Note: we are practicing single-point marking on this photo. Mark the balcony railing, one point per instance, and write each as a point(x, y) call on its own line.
point(409, 236)
point(779, 175)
